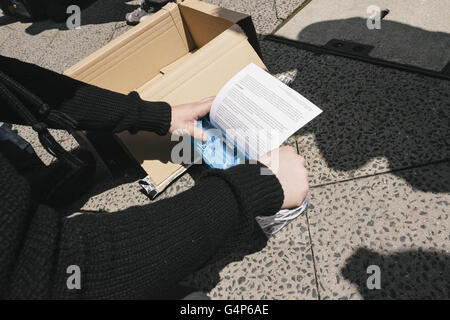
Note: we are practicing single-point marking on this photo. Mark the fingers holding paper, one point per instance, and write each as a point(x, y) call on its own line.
point(185, 115)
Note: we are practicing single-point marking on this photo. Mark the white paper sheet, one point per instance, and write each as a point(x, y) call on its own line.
point(259, 112)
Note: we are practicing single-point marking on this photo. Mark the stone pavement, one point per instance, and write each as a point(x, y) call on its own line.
point(412, 32)
point(378, 157)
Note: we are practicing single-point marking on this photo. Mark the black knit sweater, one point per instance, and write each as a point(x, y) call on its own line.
point(135, 253)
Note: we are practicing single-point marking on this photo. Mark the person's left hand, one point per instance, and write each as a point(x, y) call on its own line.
point(184, 116)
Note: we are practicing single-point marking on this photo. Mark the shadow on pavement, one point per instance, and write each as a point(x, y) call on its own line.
point(395, 41)
point(236, 248)
point(412, 274)
point(371, 111)
point(92, 12)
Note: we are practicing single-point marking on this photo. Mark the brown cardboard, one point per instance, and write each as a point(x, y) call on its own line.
point(183, 53)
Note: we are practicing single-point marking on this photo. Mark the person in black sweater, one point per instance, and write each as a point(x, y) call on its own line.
point(140, 251)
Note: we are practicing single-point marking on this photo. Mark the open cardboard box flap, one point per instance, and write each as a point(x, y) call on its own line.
point(183, 53)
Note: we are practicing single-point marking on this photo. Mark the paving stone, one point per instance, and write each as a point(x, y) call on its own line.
point(286, 7)
point(386, 222)
point(413, 32)
point(121, 28)
point(71, 46)
point(120, 196)
point(374, 119)
point(26, 41)
point(24, 47)
point(98, 25)
point(263, 12)
point(4, 34)
point(281, 268)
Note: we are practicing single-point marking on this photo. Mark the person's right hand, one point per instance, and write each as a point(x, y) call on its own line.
point(289, 167)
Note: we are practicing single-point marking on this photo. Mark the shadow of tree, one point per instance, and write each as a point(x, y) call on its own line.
point(412, 274)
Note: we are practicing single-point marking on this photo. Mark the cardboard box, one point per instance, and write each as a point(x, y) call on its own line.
point(183, 53)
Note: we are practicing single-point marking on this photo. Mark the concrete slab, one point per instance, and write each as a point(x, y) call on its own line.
point(121, 28)
point(375, 119)
point(281, 269)
point(4, 34)
point(384, 221)
point(71, 46)
point(414, 32)
point(284, 8)
point(266, 15)
point(23, 46)
point(53, 46)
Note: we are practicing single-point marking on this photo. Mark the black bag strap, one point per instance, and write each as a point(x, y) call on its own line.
point(10, 90)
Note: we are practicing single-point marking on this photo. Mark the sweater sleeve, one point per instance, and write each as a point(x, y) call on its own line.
point(92, 107)
point(138, 252)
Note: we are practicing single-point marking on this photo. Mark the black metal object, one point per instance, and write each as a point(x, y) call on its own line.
point(349, 47)
point(359, 52)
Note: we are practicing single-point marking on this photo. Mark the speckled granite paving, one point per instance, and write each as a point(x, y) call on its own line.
point(375, 119)
point(378, 157)
point(384, 221)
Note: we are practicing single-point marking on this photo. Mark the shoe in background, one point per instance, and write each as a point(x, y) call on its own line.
point(14, 8)
point(146, 8)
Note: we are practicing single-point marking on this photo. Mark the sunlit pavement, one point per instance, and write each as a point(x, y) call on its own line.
point(378, 157)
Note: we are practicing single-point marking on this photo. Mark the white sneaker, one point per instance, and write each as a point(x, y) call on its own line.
point(134, 17)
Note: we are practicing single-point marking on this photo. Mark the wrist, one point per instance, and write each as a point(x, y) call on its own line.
point(172, 121)
point(153, 116)
point(257, 189)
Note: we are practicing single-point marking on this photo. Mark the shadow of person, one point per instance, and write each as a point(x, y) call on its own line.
point(370, 111)
point(92, 12)
point(412, 274)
